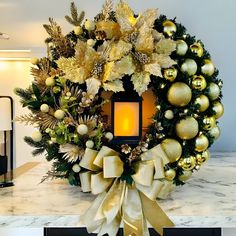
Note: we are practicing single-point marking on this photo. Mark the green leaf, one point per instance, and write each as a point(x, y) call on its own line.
point(36, 91)
point(72, 179)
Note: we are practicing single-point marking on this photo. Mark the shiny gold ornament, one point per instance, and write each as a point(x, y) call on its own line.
point(197, 49)
point(169, 114)
point(215, 132)
point(187, 163)
point(199, 82)
point(185, 176)
point(202, 157)
point(172, 148)
point(219, 109)
point(213, 91)
point(181, 47)
point(169, 28)
point(208, 68)
point(203, 101)
point(189, 67)
point(170, 174)
point(209, 122)
point(170, 74)
point(197, 167)
point(179, 94)
point(187, 128)
point(201, 143)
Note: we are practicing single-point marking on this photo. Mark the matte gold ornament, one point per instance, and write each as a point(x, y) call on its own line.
point(213, 91)
point(199, 82)
point(169, 114)
point(59, 114)
point(82, 129)
point(78, 30)
point(208, 68)
point(181, 47)
point(169, 28)
point(185, 176)
point(170, 174)
point(197, 49)
point(202, 157)
point(215, 132)
point(170, 74)
point(189, 67)
point(44, 108)
point(209, 122)
point(50, 81)
point(37, 136)
point(203, 101)
point(179, 94)
point(172, 148)
point(187, 128)
point(201, 143)
point(187, 163)
point(219, 109)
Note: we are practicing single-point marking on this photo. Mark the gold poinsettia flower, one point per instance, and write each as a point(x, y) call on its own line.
point(71, 152)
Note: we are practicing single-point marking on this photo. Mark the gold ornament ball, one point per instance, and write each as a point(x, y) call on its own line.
point(208, 67)
point(197, 49)
point(172, 148)
point(199, 82)
point(181, 47)
point(89, 25)
point(219, 109)
point(44, 108)
point(89, 144)
point(37, 136)
point(187, 163)
point(169, 114)
point(185, 176)
point(215, 132)
point(109, 136)
point(170, 174)
point(187, 128)
point(59, 114)
point(82, 129)
point(91, 42)
point(189, 67)
point(179, 94)
point(203, 101)
point(201, 143)
point(169, 28)
point(209, 123)
point(170, 74)
point(78, 30)
point(34, 60)
point(50, 81)
point(202, 157)
point(213, 91)
point(76, 168)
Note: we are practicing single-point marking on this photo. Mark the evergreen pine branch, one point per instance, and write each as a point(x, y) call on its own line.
point(51, 175)
point(74, 11)
point(24, 94)
point(38, 151)
point(107, 9)
point(75, 19)
point(32, 143)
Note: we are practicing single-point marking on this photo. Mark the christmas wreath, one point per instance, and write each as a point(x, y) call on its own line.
point(119, 51)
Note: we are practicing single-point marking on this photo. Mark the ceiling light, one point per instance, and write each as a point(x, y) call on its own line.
point(4, 36)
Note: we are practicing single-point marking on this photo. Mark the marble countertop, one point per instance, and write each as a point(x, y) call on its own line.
point(208, 199)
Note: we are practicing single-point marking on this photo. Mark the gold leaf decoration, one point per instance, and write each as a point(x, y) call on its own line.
point(26, 119)
point(119, 49)
point(165, 46)
point(90, 121)
point(140, 81)
point(148, 17)
point(163, 60)
point(72, 152)
point(153, 68)
point(93, 86)
point(114, 86)
point(107, 9)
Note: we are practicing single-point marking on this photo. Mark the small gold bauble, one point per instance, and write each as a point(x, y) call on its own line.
point(189, 67)
point(202, 157)
point(219, 109)
point(215, 132)
point(187, 128)
point(170, 174)
point(187, 163)
point(201, 143)
point(197, 49)
point(185, 176)
point(169, 114)
point(208, 67)
point(209, 122)
point(199, 82)
point(203, 101)
point(59, 114)
point(170, 74)
point(213, 91)
point(172, 148)
point(78, 30)
point(181, 47)
point(169, 28)
point(179, 94)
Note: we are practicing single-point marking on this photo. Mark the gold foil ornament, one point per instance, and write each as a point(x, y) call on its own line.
point(187, 128)
point(189, 67)
point(202, 157)
point(170, 74)
point(197, 49)
point(209, 122)
point(199, 82)
point(169, 28)
point(201, 143)
point(213, 91)
point(215, 132)
point(185, 176)
point(111, 28)
point(218, 108)
point(208, 67)
point(181, 47)
point(203, 101)
point(179, 94)
point(170, 174)
point(187, 163)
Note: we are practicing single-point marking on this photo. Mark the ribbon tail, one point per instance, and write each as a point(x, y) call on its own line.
point(112, 228)
point(151, 209)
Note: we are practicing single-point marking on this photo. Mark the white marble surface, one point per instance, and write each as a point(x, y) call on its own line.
point(208, 199)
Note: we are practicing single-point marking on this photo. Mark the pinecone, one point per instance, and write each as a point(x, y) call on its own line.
point(100, 35)
point(141, 57)
point(132, 38)
point(98, 68)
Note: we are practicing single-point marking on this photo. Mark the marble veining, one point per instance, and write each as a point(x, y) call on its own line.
point(208, 198)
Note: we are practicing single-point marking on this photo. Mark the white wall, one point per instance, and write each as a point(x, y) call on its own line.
point(21, 232)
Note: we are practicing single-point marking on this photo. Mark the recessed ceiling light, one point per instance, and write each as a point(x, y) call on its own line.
point(4, 36)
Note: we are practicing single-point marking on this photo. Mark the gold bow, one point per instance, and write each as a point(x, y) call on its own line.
point(117, 200)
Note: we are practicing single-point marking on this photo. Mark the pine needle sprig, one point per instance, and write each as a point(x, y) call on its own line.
point(75, 18)
point(107, 9)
